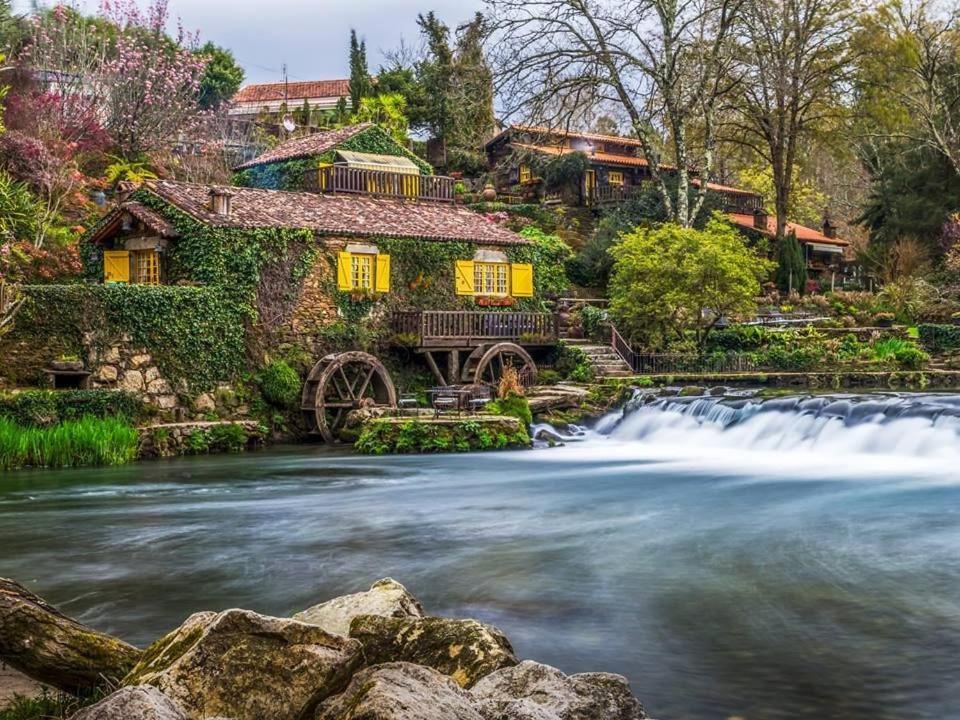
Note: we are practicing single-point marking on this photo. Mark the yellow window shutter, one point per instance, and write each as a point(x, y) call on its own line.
point(464, 277)
point(116, 266)
point(521, 280)
point(344, 276)
point(382, 275)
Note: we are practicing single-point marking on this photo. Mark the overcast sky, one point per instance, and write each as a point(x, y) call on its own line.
point(311, 36)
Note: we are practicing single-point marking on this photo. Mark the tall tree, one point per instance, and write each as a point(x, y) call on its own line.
point(360, 84)
point(663, 63)
point(791, 266)
point(222, 76)
point(793, 58)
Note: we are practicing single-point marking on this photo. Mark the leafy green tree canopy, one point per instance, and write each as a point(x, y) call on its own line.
point(222, 76)
point(670, 280)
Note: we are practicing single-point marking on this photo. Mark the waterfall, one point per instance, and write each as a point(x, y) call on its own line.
point(923, 426)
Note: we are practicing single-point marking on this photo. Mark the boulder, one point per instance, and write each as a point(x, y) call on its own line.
point(140, 702)
point(46, 645)
point(532, 691)
point(132, 381)
point(464, 649)
point(400, 691)
point(386, 597)
point(247, 666)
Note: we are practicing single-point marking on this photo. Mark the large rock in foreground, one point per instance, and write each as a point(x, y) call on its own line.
point(466, 650)
point(46, 645)
point(386, 597)
point(247, 666)
point(400, 691)
point(141, 702)
point(531, 691)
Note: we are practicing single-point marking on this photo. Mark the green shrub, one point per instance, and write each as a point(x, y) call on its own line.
point(45, 407)
point(280, 384)
point(572, 363)
point(739, 338)
point(512, 406)
point(88, 441)
point(592, 319)
point(903, 352)
point(583, 373)
point(939, 338)
point(227, 438)
point(911, 358)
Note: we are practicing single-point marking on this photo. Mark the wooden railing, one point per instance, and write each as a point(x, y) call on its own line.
point(678, 363)
point(731, 201)
point(456, 328)
point(343, 179)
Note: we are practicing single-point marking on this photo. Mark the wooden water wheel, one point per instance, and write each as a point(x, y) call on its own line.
point(342, 382)
point(486, 363)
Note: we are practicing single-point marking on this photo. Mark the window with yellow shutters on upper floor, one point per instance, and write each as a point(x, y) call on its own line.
point(491, 278)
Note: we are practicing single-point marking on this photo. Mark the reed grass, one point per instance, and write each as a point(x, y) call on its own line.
point(87, 441)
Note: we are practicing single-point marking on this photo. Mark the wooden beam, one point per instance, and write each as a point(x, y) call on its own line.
point(453, 366)
point(432, 363)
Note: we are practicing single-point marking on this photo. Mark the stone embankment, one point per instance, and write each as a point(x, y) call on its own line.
point(373, 655)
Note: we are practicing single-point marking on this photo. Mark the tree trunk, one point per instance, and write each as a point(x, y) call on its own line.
point(46, 645)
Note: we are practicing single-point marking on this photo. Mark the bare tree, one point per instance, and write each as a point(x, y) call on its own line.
point(11, 300)
point(793, 59)
point(933, 64)
point(663, 63)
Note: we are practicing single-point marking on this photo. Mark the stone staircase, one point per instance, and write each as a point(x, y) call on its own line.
point(604, 359)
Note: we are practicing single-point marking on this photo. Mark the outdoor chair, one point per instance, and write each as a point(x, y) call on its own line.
point(407, 401)
point(445, 400)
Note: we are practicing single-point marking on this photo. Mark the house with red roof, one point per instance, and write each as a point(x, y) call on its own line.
point(272, 99)
point(616, 171)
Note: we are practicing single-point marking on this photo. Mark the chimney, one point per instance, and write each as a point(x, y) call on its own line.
point(124, 189)
point(829, 229)
point(760, 217)
point(220, 201)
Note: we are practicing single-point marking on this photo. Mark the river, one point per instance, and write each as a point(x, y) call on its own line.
point(798, 558)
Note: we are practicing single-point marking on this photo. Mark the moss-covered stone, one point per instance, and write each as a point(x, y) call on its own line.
point(466, 650)
point(384, 436)
point(386, 597)
point(246, 666)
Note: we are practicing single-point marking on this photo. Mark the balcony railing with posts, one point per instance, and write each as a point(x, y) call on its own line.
point(455, 328)
point(344, 179)
point(732, 201)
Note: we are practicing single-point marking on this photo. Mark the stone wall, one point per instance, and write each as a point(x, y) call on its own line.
point(121, 366)
point(192, 438)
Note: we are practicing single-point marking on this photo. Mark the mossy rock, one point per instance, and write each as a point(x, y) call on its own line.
point(385, 597)
point(400, 691)
point(692, 391)
point(246, 666)
point(466, 650)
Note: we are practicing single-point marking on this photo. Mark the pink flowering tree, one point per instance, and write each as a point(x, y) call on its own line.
point(151, 81)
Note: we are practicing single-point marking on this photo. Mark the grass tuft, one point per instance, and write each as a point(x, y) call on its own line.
point(87, 441)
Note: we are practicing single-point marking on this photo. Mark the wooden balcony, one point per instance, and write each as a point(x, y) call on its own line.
point(731, 201)
point(342, 179)
point(463, 329)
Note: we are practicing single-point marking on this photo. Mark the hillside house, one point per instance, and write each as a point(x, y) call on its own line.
point(360, 159)
point(616, 171)
point(271, 100)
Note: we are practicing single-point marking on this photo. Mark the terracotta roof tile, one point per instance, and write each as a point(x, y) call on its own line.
point(307, 145)
point(604, 158)
point(112, 222)
point(344, 215)
point(804, 234)
point(537, 130)
point(267, 92)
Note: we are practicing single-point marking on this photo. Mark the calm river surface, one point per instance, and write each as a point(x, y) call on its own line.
point(722, 575)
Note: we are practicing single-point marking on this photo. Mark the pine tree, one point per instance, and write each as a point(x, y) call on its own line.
point(360, 85)
point(791, 266)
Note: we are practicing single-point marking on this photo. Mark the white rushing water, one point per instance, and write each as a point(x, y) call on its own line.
point(873, 434)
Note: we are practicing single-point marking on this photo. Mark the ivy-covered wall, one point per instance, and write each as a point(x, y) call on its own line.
point(192, 334)
point(299, 174)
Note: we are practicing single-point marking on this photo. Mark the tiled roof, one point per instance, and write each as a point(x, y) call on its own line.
point(267, 92)
point(602, 158)
point(804, 234)
point(343, 215)
point(307, 145)
point(113, 220)
point(537, 130)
